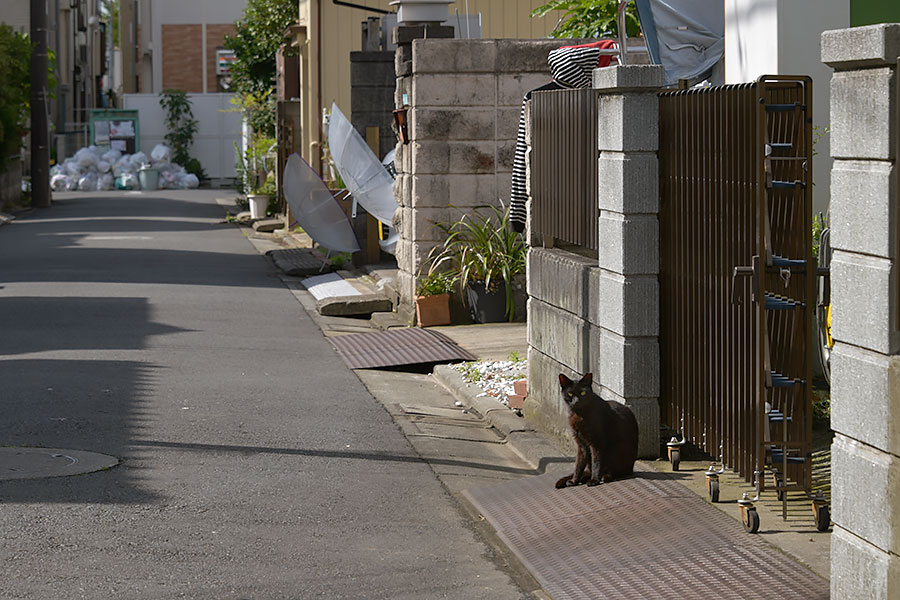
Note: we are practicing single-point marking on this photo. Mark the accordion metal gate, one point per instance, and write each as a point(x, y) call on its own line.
point(738, 278)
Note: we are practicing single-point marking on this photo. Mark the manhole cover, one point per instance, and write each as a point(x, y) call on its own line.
point(37, 463)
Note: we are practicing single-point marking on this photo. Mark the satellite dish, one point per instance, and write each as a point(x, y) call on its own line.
point(315, 208)
point(363, 174)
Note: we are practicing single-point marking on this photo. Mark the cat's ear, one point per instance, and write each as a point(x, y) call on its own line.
point(564, 381)
point(587, 379)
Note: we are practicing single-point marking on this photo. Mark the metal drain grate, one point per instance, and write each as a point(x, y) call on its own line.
point(397, 347)
point(647, 537)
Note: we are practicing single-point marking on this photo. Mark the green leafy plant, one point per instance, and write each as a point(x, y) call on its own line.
point(818, 226)
point(253, 166)
point(514, 356)
point(256, 39)
point(482, 248)
point(181, 126)
point(589, 18)
point(15, 93)
point(435, 283)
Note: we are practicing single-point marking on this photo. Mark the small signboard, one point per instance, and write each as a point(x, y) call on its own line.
point(115, 128)
point(224, 58)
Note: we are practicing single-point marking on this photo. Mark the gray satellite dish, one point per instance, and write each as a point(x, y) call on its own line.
point(315, 208)
point(363, 174)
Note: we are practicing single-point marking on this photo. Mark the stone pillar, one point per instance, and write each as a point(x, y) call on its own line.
point(628, 317)
point(865, 368)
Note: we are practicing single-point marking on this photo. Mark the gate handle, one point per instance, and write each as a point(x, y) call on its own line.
point(736, 297)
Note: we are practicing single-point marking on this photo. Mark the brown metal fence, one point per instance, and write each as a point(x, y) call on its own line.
point(737, 274)
point(564, 182)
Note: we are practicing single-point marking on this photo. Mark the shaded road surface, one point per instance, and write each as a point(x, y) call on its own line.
point(254, 464)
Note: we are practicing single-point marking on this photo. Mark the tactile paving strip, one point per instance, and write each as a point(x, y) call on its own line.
point(647, 537)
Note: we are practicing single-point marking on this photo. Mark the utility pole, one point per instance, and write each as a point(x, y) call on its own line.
point(40, 133)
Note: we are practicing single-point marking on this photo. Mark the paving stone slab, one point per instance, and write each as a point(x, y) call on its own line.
point(299, 262)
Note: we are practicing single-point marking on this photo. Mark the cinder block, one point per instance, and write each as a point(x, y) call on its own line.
point(620, 78)
point(861, 297)
point(629, 305)
point(506, 153)
point(372, 69)
point(423, 227)
point(861, 47)
point(628, 122)
point(369, 98)
point(467, 158)
point(865, 396)
point(559, 334)
point(406, 286)
point(403, 219)
point(524, 56)
point(860, 570)
point(863, 198)
point(629, 245)
point(864, 114)
point(448, 89)
point(860, 469)
point(472, 190)
point(403, 88)
point(508, 123)
point(646, 412)
point(629, 366)
point(545, 410)
point(408, 34)
point(430, 157)
point(512, 87)
point(429, 191)
point(454, 56)
point(452, 123)
point(560, 279)
point(595, 352)
point(629, 182)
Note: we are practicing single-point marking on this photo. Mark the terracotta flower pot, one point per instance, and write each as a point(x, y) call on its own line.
point(433, 310)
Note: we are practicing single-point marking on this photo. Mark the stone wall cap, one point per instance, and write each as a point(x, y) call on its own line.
point(624, 78)
point(861, 47)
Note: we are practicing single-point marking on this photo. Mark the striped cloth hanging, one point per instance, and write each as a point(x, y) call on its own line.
point(570, 67)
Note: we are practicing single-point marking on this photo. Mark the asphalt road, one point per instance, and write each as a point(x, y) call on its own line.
point(253, 463)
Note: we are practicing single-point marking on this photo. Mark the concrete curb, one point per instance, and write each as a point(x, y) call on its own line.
point(530, 444)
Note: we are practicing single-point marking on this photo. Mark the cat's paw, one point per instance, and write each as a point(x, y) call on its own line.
point(565, 481)
point(594, 482)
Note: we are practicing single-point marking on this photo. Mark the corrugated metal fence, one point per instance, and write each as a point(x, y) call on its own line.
point(564, 182)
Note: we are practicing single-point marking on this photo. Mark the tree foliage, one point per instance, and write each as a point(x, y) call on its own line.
point(15, 93)
point(589, 18)
point(257, 37)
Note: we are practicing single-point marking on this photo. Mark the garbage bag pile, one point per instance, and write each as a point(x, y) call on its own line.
point(94, 169)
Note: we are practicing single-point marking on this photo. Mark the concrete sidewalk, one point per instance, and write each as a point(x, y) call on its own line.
point(477, 455)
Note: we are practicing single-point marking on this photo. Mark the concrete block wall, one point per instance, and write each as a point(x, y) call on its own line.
point(601, 313)
point(865, 368)
point(465, 97)
point(372, 83)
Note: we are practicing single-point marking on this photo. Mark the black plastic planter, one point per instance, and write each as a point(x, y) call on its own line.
point(484, 306)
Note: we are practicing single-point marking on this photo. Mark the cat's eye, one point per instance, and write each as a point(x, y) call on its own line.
point(584, 392)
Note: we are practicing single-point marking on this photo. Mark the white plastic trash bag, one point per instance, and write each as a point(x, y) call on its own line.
point(111, 156)
point(190, 181)
point(105, 182)
point(88, 183)
point(103, 166)
point(85, 158)
point(160, 153)
point(59, 182)
point(127, 181)
point(138, 159)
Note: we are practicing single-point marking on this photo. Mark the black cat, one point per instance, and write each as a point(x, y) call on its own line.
point(606, 434)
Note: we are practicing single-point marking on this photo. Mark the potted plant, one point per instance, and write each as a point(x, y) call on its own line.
point(433, 299)
point(484, 254)
point(259, 181)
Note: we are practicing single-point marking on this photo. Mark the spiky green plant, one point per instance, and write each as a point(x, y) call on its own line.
point(482, 247)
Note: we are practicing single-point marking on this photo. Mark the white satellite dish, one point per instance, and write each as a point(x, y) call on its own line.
point(315, 208)
point(363, 174)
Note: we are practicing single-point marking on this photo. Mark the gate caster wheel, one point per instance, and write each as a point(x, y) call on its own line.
point(712, 486)
point(822, 515)
point(750, 518)
point(674, 457)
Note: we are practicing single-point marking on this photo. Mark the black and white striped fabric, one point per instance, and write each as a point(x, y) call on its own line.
point(570, 67)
